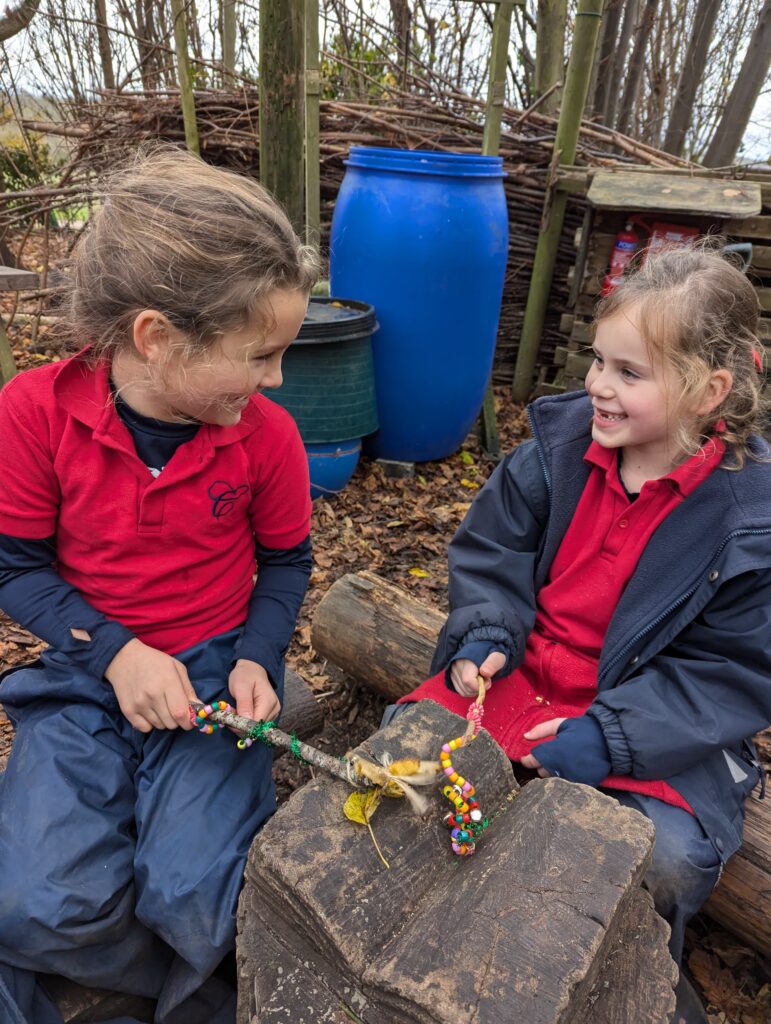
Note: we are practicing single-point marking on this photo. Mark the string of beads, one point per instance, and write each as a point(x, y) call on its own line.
point(466, 822)
point(198, 718)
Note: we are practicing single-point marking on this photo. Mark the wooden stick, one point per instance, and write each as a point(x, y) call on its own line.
point(341, 768)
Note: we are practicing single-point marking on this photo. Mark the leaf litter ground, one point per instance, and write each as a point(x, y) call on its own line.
point(400, 529)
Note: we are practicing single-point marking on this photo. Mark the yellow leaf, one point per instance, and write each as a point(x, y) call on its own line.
point(360, 807)
point(470, 484)
point(407, 766)
point(420, 573)
point(467, 458)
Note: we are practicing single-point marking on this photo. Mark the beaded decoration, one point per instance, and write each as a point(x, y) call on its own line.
point(466, 822)
point(198, 718)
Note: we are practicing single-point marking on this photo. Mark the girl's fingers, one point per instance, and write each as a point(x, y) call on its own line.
point(540, 732)
point(493, 663)
point(528, 761)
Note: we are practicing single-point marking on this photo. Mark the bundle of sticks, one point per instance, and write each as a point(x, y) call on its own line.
point(103, 133)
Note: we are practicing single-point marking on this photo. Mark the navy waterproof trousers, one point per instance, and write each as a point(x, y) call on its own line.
point(122, 853)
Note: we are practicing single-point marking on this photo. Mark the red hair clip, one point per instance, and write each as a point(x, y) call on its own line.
point(757, 360)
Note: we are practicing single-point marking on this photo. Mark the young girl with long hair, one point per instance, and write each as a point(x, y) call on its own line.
point(143, 481)
point(612, 580)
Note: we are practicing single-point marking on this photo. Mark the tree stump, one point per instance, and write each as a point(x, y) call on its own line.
point(531, 928)
point(378, 609)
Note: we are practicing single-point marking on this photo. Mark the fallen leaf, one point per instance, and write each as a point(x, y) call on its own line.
point(470, 484)
point(420, 573)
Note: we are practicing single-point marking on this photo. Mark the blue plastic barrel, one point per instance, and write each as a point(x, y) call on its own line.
point(423, 237)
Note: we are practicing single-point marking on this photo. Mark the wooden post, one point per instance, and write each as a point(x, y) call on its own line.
point(577, 79)
point(183, 73)
point(491, 141)
point(282, 47)
point(7, 362)
point(550, 51)
point(228, 41)
point(312, 98)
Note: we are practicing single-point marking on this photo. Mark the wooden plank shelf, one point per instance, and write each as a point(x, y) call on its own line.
point(666, 194)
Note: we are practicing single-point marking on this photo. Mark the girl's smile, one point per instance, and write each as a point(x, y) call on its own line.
point(634, 399)
point(217, 387)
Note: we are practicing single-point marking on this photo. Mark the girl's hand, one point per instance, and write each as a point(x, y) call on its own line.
point(463, 673)
point(153, 689)
point(540, 732)
point(253, 693)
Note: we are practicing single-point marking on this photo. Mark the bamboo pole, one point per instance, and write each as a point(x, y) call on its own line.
point(577, 79)
point(312, 104)
point(491, 142)
point(183, 72)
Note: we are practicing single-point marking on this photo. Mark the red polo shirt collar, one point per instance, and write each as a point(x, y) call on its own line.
point(83, 390)
point(683, 479)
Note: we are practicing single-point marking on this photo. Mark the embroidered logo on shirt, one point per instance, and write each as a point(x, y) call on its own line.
point(224, 497)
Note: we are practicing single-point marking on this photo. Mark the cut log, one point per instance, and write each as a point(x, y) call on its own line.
point(301, 714)
point(528, 929)
point(377, 609)
point(376, 631)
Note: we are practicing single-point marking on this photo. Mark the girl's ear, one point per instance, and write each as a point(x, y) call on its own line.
point(718, 386)
point(150, 335)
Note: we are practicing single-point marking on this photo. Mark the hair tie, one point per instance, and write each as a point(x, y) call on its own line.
point(757, 360)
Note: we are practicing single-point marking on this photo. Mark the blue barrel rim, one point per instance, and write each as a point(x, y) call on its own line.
point(425, 161)
point(362, 324)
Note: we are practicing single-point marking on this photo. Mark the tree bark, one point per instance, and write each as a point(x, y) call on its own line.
point(636, 63)
point(744, 94)
point(693, 68)
point(183, 72)
point(550, 51)
point(105, 52)
point(616, 70)
point(282, 104)
point(603, 62)
point(382, 636)
point(16, 19)
point(228, 23)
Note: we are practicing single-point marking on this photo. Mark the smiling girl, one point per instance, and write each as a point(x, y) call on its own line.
point(142, 483)
point(613, 577)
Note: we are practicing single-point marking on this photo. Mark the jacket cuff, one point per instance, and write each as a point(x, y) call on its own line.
point(578, 753)
point(615, 738)
point(477, 651)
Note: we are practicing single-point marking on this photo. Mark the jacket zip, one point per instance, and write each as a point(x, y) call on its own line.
point(539, 449)
point(679, 601)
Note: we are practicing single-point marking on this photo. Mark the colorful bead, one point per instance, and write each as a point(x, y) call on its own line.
point(466, 823)
point(198, 718)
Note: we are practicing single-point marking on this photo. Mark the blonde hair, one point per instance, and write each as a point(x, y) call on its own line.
point(202, 245)
point(699, 312)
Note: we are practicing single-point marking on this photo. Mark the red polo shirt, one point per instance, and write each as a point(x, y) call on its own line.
point(171, 558)
point(594, 563)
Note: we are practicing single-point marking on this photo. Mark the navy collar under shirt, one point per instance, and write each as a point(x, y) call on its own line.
point(155, 440)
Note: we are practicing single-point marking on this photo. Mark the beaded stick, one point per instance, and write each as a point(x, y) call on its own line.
point(466, 821)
